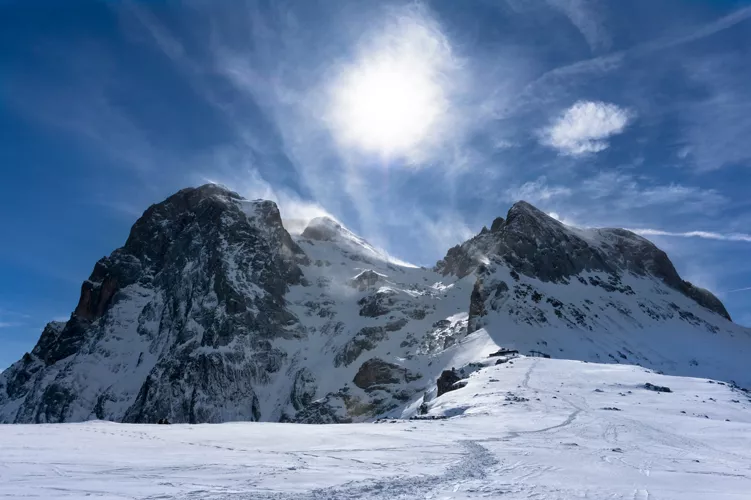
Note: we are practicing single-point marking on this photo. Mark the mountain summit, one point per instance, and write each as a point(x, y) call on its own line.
point(534, 244)
point(212, 312)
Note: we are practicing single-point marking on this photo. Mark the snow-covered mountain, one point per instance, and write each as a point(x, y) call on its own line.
point(212, 312)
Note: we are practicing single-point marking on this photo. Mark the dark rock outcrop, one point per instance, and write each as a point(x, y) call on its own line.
point(656, 388)
point(199, 289)
point(365, 339)
point(534, 244)
point(322, 229)
point(447, 382)
point(365, 280)
point(377, 372)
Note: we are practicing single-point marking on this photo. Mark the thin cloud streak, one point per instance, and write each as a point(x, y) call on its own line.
point(746, 238)
point(613, 60)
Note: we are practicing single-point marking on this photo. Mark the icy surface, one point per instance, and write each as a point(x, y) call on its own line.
point(527, 428)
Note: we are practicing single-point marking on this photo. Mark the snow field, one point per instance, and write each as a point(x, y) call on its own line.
point(528, 428)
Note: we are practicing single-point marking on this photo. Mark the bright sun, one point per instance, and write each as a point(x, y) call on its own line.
point(387, 106)
point(391, 100)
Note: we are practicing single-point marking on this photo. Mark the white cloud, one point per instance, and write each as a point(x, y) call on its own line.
point(8, 324)
point(585, 127)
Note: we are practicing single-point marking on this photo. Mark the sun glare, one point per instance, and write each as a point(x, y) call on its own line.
point(392, 98)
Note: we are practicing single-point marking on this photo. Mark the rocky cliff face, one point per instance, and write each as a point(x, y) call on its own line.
point(179, 321)
point(534, 244)
point(212, 311)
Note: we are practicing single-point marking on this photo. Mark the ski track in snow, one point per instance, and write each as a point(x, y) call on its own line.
point(527, 429)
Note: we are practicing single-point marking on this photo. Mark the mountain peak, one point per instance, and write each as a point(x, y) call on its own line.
point(323, 229)
point(326, 229)
point(524, 206)
point(524, 215)
point(205, 191)
point(532, 243)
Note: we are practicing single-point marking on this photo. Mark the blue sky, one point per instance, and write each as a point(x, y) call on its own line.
point(634, 114)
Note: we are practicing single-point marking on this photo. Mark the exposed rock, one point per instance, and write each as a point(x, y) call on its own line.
point(503, 352)
point(367, 338)
point(376, 372)
point(476, 306)
point(201, 270)
point(322, 229)
point(303, 389)
point(447, 382)
point(656, 388)
point(538, 354)
point(332, 409)
point(376, 304)
point(532, 243)
point(365, 280)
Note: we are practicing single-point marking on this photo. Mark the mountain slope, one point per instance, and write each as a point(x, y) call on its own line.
point(213, 312)
point(598, 294)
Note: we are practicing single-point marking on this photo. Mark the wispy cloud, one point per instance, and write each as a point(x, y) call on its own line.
point(716, 126)
point(263, 59)
point(332, 150)
point(237, 172)
point(553, 83)
point(585, 15)
point(10, 318)
point(695, 234)
point(585, 127)
point(627, 192)
point(616, 192)
point(537, 191)
point(708, 29)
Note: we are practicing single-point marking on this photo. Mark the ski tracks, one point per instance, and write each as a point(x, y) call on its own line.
point(466, 475)
point(473, 466)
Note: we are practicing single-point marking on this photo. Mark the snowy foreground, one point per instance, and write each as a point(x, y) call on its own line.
point(531, 428)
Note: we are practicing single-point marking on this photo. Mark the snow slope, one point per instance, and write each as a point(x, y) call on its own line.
point(527, 428)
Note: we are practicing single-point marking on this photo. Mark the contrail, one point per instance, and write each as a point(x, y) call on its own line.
point(738, 290)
